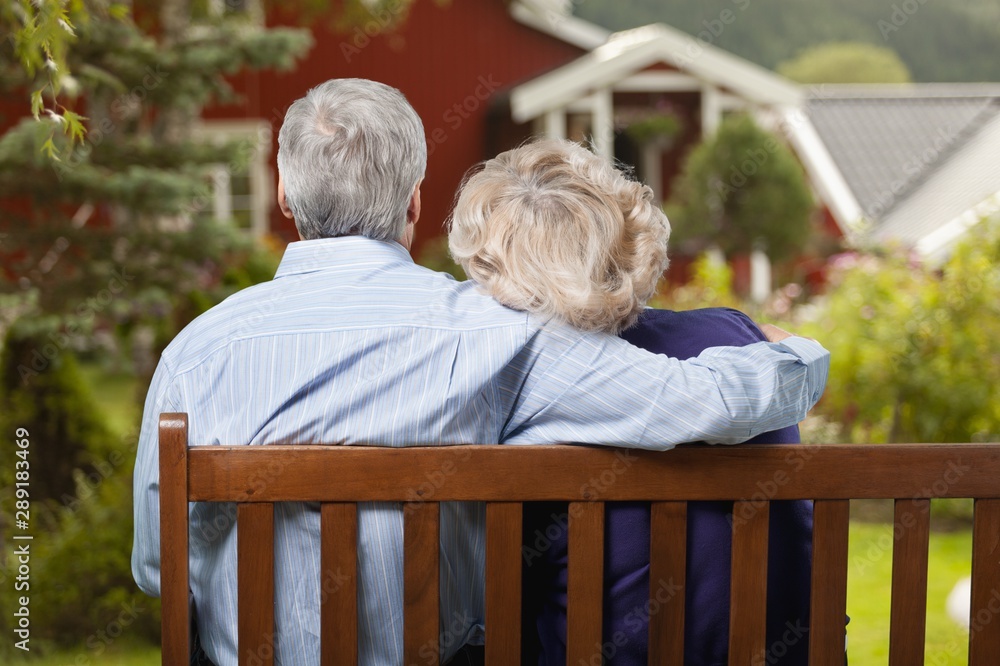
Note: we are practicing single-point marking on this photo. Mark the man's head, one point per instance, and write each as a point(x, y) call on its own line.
point(351, 155)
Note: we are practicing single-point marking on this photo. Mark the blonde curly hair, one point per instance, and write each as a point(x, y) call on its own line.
point(553, 229)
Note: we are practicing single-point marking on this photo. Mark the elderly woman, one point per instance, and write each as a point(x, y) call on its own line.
point(552, 229)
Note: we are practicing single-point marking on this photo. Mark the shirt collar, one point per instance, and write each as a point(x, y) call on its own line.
point(315, 255)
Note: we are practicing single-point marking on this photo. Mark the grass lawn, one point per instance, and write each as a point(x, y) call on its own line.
point(115, 655)
point(868, 584)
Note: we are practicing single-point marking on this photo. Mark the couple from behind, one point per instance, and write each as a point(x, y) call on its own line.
point(352, 343)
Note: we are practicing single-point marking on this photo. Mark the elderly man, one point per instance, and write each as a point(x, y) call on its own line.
point(352, 343)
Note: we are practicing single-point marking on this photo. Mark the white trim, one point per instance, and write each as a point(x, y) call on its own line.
point(711, 110)
point(604, 124)
point(569, 29)
point(652, 168)
point(658, 82)
point(628, 52)
point(936, 245)
point(555, 124)
point(823, 172)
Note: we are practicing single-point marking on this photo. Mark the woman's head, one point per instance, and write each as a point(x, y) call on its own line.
point(553, 229)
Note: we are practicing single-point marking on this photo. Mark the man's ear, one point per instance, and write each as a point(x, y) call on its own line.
point(282, 202)
point(413, 210)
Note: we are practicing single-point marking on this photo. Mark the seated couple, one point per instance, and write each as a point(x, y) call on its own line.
point(353, 343)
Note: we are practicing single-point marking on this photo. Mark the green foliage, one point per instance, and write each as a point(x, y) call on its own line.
point(939, 41)
point(42, 391)
point(914, 350)
point(846, 62)
point(657, 126)
point(42, 32)
point(82, 592)
point(741, 189)
point(710, 286)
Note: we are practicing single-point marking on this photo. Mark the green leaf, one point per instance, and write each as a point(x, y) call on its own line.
point(49, 148)
point(74, 126)
point(37, 104)
point(118, 12)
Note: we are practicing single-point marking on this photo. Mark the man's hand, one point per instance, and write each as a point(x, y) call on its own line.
point(773, 333)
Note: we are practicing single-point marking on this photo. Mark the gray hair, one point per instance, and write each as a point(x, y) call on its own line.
point(350, 154)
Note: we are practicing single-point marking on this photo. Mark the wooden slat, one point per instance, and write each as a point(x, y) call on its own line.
point(667, 573)
point(911, 538)
point(748, 600)
point(421, 586)
point(339, 584)
point(585, 585)
point(503, 583)
point(984, 633)
point(255, 585)
point(175, 616)
point(552, 473)
point(828, 599)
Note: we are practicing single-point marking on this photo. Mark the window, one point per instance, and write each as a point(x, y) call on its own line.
point(240, 192)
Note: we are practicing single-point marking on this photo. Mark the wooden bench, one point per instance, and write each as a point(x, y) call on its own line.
point(505, 476)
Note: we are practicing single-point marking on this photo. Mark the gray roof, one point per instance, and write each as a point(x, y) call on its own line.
point(891, 142)
point(967, 177)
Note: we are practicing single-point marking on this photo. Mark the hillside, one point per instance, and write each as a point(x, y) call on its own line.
point(954, 41)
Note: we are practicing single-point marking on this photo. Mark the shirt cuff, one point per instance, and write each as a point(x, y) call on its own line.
point(816, 359)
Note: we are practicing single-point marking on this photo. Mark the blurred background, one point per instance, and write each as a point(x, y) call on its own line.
point(831, 167)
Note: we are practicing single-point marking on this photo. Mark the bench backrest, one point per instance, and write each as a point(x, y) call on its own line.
point(505, 477)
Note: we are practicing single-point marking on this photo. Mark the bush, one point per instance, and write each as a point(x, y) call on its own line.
point(915, 350)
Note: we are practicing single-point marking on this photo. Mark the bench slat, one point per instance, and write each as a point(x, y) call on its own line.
point(339, 584)
point(503, 583)
point(748, 601)
point(911, 539)
point(421, 583)
point(255, 587)
point(585, 582)
point(828, 598)
point(667, 573)
point(175, 617)
point(538, 473)
point(984, 634)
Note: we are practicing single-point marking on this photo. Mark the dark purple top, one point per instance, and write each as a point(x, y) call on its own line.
point(627, 601)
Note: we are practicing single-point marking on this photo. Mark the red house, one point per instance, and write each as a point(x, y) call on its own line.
point(485, 75)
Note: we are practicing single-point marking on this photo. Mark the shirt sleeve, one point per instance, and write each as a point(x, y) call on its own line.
point(146, 487)
point(598, 389)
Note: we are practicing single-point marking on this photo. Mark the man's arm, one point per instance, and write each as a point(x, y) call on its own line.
point(594, 388)
point(146, 488)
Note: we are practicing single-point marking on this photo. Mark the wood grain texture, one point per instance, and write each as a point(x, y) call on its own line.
point(667, 572)
point(554, 473)
point(828, 600)
point(339, 584)
point(503, 583)
point(585, 583)
point(175, 616)
point(911, 538)
point(984, 633)
point(255, 574)
point(421, 583)
point(748, 594)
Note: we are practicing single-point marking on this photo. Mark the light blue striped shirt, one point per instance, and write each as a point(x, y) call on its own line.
point(352, 343)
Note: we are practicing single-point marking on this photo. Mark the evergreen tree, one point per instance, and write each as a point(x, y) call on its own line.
point(106, 224)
